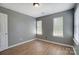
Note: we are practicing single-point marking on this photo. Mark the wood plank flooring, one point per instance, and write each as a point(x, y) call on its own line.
point(38, 47)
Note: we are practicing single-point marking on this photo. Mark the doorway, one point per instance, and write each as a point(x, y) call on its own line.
point(3, 31)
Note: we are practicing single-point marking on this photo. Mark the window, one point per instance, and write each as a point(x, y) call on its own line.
point(39, 27)
point(58, 26)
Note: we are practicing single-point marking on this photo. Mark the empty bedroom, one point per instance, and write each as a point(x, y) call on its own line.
point(39, 29)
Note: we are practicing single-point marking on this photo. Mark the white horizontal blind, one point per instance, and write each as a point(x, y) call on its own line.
point(58, 26)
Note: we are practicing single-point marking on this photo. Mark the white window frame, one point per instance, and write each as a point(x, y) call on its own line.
point(39, 30)
point(59, 33)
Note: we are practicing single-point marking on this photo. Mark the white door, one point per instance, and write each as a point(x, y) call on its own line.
point(3, 31)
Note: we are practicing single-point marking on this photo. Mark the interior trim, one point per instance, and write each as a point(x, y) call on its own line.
point(56, 43)
point(74, 51)
point(19, 44)
point(76, 42)
point(42, 40)
point(59, 44)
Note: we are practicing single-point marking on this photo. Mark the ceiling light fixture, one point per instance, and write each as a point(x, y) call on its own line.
point(36, 4)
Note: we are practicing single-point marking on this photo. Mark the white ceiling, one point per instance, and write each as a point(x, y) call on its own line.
point(42, 10)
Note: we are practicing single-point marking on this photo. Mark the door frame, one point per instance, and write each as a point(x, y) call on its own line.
point(5, 32)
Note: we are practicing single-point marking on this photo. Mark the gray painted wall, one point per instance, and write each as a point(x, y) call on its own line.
point(76, 26)
point(47, 25)
point(20, 27)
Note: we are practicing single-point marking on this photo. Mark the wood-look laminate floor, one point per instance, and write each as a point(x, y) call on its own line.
point(38, 47)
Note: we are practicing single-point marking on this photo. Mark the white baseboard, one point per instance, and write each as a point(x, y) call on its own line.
point(59, 44)
point(20, 43)
point(56, 43)
point(76, 42)
point(42, 40)
point(74, 51)
point(39, 39)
